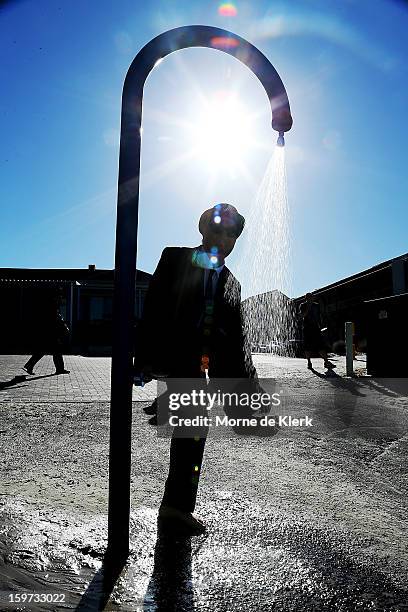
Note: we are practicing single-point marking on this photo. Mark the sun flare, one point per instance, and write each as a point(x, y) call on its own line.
point(222, 132)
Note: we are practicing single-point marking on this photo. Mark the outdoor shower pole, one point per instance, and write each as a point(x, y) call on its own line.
point(348, 332)
point(126, 240)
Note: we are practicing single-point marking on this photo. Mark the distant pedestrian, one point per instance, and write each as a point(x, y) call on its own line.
point(313, 340)
point(51, 335)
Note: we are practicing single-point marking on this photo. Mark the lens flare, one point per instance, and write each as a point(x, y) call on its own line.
point(224, 42)
point(227, 9)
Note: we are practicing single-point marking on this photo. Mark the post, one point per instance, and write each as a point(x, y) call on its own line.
point(123, 324)
point(71, 308)
point(349, 348)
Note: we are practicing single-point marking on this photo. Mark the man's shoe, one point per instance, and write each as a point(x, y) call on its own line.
point(62, 371)
point(266, 430)
point(28, 370)
point(175, 520)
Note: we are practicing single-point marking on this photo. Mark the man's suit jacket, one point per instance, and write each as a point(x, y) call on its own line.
point(170, 334)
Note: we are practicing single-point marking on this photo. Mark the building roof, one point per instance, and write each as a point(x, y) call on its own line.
point(355, 277)
point(64, 275)
point(264, 297)
point(388, 298)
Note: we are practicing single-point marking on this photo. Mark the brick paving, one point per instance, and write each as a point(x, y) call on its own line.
point(88, 381)
point(89, 378)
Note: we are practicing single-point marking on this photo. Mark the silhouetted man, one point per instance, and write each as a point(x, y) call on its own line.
point(313, 341)
point(191, 324)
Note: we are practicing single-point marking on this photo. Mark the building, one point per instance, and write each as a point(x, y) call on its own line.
point(269, 323)
point(273, 322)
point(344, 300)
point(85, 298)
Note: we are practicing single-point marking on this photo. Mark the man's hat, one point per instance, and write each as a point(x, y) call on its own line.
point(223, 215)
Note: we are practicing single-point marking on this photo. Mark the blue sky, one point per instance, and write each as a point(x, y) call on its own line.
point(62, 68)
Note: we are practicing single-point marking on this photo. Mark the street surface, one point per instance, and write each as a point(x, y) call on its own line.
point(309, 518)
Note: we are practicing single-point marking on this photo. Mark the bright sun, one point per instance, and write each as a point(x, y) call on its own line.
point(222, 131)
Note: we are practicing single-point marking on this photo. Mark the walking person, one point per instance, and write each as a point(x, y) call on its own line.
point(313, 340)
point(192, 328)
point(51, 335)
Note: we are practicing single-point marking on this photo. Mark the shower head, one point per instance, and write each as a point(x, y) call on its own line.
point(281, 122)
point(281, 118)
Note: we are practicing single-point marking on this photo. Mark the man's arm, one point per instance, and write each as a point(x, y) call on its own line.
point(318, 315)
point(147, 333)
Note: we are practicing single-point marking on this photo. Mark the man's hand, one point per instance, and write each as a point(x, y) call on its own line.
point(147, 372)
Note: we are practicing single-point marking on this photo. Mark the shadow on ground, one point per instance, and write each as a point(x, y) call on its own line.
point(17, 380)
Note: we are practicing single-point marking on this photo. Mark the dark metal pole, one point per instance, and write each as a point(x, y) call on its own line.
point(126, 241)
point(123, 321)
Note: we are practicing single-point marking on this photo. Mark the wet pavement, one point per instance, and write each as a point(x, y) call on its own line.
point(307, 519)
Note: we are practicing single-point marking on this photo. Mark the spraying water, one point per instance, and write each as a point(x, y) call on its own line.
point(265, 268)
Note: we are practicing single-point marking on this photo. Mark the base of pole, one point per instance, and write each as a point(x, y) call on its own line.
point(116, 555)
